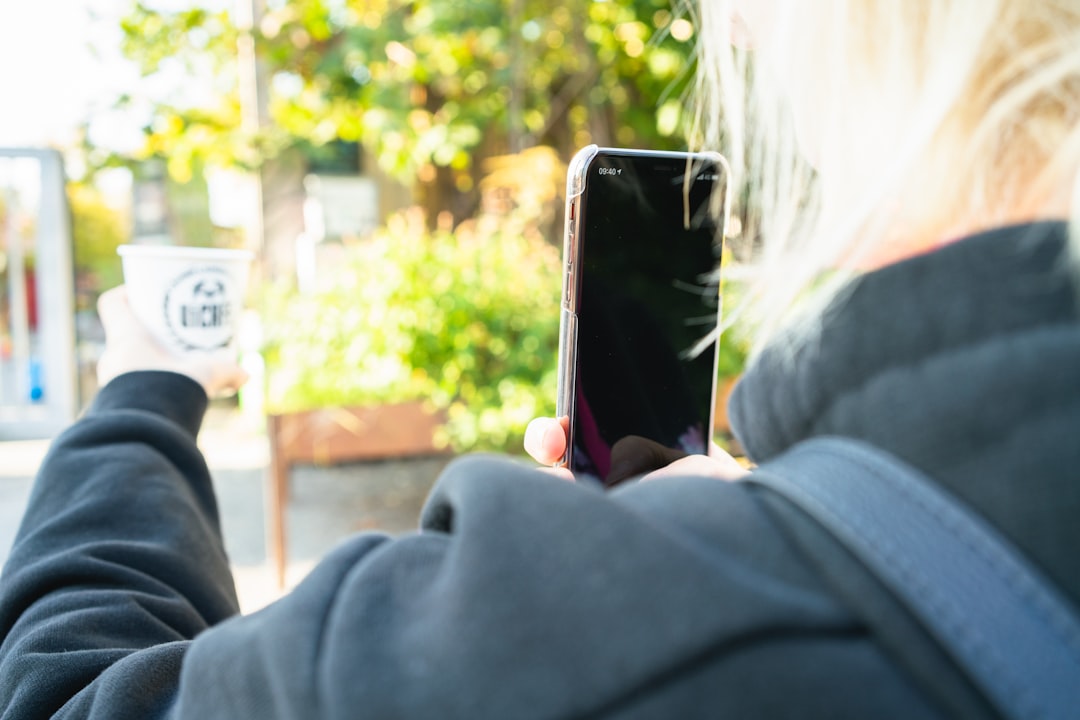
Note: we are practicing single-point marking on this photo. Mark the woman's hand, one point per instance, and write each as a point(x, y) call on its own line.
point(130, 347)
point(546, 441)
point(717, 464)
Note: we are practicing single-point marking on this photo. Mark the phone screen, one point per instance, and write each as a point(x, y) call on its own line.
point(647, 296)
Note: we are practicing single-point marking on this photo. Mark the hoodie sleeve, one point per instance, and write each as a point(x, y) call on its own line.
point(118, 562)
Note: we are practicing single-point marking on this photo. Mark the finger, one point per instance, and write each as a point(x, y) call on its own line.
point(118, 319)
point(722, 456)
point(700, 466)
point(218, 372)
point(558, 472)
point(227, 382)
point(545, 439)
point(236, 379)
point(113, 308)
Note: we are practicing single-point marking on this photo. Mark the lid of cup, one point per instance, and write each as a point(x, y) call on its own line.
point(185, 252)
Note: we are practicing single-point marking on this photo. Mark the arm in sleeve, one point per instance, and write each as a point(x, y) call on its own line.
point(119, 560)
point(522, 596)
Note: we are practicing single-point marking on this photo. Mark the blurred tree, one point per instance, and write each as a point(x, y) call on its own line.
point(428, 87)
point(97, 230)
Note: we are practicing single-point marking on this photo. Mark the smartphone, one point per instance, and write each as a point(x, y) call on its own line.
point(640, 302)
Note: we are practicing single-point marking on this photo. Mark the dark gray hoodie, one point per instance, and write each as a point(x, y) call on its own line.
point(523, 596)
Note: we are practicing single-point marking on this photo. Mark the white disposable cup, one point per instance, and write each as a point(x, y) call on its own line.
point(189, 298)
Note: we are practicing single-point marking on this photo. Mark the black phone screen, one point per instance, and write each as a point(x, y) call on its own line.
point(648, 295)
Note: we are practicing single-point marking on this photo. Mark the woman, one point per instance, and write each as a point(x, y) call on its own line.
point(916, 124)
point(524, 596)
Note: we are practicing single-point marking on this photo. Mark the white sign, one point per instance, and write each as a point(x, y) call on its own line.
point(340, 206)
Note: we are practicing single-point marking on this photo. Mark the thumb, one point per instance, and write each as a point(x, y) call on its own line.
point(117, 317)
point(110, 305)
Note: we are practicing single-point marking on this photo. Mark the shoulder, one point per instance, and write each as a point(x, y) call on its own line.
point(525, 586)
point(524, 595)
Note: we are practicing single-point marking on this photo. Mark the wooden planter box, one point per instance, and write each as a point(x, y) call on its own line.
point(721, 421)
point(333, 436)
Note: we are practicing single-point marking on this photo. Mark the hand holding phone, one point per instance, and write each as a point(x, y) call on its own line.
point(546, 441)
point(640, 299)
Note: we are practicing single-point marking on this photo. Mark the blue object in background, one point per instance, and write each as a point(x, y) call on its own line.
point(37, 391)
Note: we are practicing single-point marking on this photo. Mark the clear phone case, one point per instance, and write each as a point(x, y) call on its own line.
point(576, 176)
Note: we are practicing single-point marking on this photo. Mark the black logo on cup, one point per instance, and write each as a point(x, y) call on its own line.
point(198, 309)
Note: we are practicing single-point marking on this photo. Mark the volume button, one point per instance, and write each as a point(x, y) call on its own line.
point(568, 282)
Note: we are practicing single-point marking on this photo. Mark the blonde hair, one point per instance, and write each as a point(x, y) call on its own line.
point(924, 120)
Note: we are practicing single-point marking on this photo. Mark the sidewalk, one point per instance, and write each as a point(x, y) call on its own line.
point(325, 506)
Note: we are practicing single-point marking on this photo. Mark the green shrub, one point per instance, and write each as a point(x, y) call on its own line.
point(466, 320)
point(734, 344)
